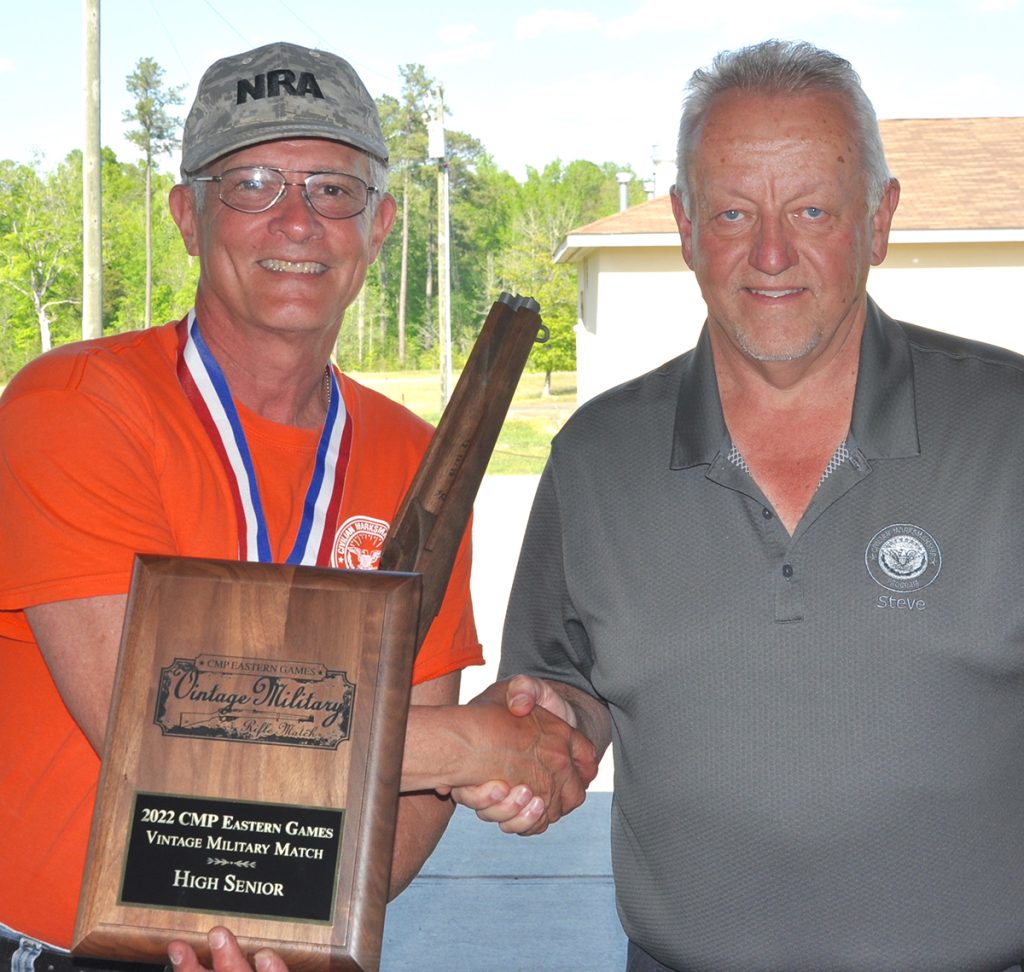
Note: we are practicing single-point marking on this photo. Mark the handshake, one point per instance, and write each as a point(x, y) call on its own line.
point(533, 740)
point(537, 742)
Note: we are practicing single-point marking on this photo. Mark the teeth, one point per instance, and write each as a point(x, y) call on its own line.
point(284, 266)
point(775, 293)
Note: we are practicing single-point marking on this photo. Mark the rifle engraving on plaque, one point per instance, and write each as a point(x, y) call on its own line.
point(261, 700)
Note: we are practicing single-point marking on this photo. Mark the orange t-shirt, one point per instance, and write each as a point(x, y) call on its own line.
point(101, 457)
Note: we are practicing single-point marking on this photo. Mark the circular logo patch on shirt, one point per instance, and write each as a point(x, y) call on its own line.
point(358, 543)
point(903, 557)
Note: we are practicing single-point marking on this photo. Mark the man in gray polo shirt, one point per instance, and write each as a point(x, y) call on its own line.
point(780, 575)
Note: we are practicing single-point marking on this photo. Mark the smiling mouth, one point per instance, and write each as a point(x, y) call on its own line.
point(775, 294)
point(286, 266)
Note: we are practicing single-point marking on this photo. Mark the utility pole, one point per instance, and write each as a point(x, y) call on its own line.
point(92, 237)
point(436, 150)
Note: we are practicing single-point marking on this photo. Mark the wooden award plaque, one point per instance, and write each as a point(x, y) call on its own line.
point(251, 770)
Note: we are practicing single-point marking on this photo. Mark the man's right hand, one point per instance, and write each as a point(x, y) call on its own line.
point(520, 809)
point(524, 692)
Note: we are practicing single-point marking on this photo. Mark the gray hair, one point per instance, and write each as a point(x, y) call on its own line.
point(782, 67)
point(379, 179)
point(198, 188)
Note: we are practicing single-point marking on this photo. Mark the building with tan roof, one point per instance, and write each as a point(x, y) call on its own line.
point(955, 261)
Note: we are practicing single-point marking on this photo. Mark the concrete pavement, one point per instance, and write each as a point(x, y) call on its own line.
point(500, 513)
point(486, 900)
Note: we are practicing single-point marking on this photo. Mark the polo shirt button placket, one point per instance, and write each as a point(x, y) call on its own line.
point(789, 598)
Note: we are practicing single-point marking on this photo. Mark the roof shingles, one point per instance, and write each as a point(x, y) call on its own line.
point(954, 173)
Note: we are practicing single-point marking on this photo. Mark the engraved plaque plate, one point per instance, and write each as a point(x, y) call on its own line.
point(251, 768)
point(232, 858)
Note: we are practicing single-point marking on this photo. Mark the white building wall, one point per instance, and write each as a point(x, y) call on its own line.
point(981, 303)
point(641, 306)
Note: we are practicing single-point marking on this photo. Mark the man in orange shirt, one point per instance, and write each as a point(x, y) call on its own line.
point(227, 434)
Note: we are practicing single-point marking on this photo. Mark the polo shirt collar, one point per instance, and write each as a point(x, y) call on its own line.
point(884, 422)
point(700, 430)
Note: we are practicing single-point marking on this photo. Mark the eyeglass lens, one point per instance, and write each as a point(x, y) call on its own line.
point(254, 189)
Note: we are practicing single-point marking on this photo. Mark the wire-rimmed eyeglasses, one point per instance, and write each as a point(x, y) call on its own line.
point(255, 188)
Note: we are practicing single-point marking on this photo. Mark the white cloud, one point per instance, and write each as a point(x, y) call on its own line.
point(774, 20)
point(996, 6)
point(621, 119)
point(465, 54)
point(542, 22)
point(461, 46)
point(6, 65)
point(457, 33)
point(669, 16)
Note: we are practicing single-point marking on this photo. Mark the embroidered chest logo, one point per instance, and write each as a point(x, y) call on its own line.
point(358, 543)
point(903, 558)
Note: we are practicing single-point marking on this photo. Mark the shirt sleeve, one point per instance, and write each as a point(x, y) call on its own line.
point(451, 642)
point(79, 494)
point(544, 635)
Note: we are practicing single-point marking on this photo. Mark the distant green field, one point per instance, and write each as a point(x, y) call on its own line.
point(533, 417)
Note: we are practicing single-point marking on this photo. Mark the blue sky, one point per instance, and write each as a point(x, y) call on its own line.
point(596, 80)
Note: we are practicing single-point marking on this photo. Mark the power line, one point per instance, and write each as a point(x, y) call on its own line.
point(312, 32)
point(228, 22)
point(170, 40)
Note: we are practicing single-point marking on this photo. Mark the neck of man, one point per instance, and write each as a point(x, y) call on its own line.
point(278, 375)
point(786, 420)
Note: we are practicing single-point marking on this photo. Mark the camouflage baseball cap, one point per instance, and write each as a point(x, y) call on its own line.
point(278, 91)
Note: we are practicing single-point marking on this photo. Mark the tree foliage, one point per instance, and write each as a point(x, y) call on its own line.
point(40, 277)
point(545, 208)
point(503, 234)
point(157, 134)
point(502, 237)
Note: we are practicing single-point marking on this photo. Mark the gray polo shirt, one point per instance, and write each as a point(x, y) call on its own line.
point(819, 739)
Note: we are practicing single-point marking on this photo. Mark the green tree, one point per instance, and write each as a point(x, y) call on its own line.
point(408, 139)
point(502, 237)
point(173, 271)
point(40, 274)
point(394, 323)
point(548, 205)
point(480, 212)
point(156, 135)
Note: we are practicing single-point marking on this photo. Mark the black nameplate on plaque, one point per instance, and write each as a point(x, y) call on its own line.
point(266, 859)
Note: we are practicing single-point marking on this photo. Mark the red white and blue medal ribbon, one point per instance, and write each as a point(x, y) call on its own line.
point(207, 389)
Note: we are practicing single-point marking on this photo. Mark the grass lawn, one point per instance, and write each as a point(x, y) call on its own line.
point(533, 417)
point(532, 420)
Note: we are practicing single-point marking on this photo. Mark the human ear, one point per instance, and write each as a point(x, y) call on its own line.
point(182, 203)
point(685, 226)
point(383, 220)
point(881, 222)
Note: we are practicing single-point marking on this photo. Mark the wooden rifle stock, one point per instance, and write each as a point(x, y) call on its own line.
point(429, 525)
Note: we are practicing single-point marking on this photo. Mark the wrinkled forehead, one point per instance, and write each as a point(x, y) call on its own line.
point(753, 118)
point(748, 136)
point(299, 155)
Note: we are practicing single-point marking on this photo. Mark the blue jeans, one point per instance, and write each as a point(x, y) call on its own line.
point(24, 957)
point(22, 953)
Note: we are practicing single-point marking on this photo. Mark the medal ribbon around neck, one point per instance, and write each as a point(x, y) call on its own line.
point(207, 390)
